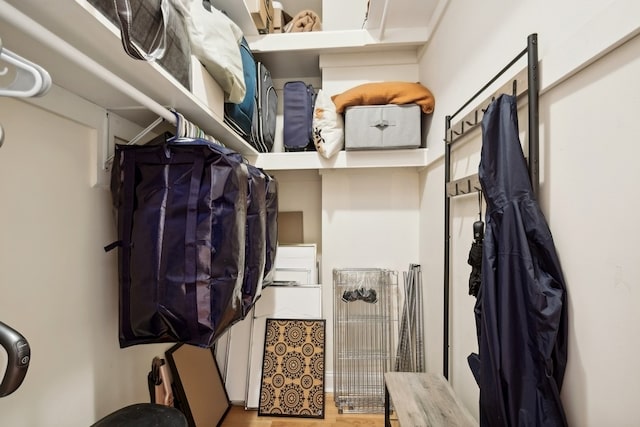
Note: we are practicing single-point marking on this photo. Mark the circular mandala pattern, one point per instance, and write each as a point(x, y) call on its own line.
point(316, 365)
point(275, 411)
point(306, 381)
point(277, 380)
point(291, 399)
point(317, 334)
point(316, 398)
point(305, 412)
point(280, 349)
point(271, 336)
point(295, 335)
point(293, 365)
point(269, 364)
point(267, 397)
point(308, 349)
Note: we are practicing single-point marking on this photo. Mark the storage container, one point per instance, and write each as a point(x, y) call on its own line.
point(377, 127)
point(262, 14)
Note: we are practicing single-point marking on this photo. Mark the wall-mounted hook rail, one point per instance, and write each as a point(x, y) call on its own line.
point(524, 82)
point(467, 185)
point(517, 86)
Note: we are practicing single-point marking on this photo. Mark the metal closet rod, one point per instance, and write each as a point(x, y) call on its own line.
point(46, 37)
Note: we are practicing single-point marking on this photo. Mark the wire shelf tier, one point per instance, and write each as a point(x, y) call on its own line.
point(365, 331)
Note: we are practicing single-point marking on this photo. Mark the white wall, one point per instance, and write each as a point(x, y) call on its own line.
point(591, 174)
point(369, 220)
point(57, 285)
point(341, 15)
point(302, 191)
point(588, 172)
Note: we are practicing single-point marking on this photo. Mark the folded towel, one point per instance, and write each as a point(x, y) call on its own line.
point(304, 21)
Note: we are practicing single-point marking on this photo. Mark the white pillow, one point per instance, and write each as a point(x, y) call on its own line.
point(215, 41)
point(328, 126)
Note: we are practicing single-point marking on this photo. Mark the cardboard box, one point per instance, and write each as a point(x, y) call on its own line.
point(290, 226)
point(262, 14)
point(277, 17)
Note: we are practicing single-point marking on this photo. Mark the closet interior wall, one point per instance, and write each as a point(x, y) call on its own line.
point(525, 82)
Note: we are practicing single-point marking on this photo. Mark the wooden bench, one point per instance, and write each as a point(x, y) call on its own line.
point(423, 400)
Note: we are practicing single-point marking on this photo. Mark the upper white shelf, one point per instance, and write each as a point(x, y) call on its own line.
point(391, 25)
point(296, 55)
point(53, 43)
point(83, 29)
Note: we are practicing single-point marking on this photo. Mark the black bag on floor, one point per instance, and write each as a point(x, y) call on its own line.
point(181, 216)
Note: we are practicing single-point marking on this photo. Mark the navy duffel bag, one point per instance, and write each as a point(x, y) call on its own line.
point(181, 221)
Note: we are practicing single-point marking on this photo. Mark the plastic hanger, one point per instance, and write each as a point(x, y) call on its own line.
point(30, 79)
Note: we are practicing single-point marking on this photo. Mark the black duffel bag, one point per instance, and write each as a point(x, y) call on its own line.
point(181, 215)
point(272, 229)
point(261, 226)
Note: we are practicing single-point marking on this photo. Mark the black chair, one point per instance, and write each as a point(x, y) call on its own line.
point(144, 415)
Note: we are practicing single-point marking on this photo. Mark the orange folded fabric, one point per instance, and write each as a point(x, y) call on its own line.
point(381, 93)
point(304, 21)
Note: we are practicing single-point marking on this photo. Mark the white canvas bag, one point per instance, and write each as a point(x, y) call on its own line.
point(215, 41)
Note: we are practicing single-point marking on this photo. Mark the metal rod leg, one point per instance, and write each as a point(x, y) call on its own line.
point(387, 408)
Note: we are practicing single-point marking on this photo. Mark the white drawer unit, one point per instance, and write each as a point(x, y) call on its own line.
point(295, 295)
point(296, 263)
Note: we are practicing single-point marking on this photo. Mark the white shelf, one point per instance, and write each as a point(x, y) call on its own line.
point(406, 26)
point(296, 55)
point(343, 160)
point(94, 36)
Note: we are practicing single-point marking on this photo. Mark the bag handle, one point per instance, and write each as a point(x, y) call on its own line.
point(159, 44)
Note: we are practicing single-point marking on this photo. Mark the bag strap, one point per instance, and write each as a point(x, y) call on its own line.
point(125, 223)
point(159, 44)
point(191, 249)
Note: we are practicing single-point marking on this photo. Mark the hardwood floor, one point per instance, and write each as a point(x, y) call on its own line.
point(239, 417)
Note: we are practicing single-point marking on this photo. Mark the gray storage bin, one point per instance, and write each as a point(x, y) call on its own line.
point(378, 127)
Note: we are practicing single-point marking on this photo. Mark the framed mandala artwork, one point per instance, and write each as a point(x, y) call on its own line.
point(293, 368)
